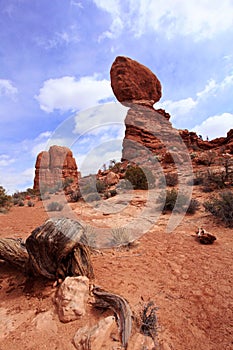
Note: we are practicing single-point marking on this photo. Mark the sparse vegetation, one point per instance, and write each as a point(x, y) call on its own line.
point(100, 186)
point(30, 204)
point(88, 237)
point(140, 179)
point(171, 201)
point(148, 320)
point(5, 200)
point(54, 206)
point(75, 196)
point(120, 237)
point(222, 207)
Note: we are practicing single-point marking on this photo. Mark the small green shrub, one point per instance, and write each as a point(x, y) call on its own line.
point(113, 192)
point(100, 186)
point(75, 196)
point(21, 203)
point(194, 205)
point(30, 204)
point(222, 207)
point(140, 179)
point(171, 202)
point(54, 206)
point(5, 200)
point(15, 201)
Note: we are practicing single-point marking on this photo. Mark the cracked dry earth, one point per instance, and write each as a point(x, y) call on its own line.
point(191, 284)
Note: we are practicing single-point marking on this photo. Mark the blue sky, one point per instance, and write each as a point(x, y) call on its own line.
point(55, 58)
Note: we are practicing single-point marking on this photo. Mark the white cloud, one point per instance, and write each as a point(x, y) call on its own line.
point(7, 88)
point(18, 180)
point(67, 93)
point(91, 162)
point(178, 108)
point(199, 18)
point(181, 108)
point(90, 120)
point(6, 160)
point(215, 126)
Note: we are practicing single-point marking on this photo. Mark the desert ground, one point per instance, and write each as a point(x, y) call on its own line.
point(190, 283)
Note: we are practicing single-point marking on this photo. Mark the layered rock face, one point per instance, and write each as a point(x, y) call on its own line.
point(55, 166)
point(148, 131)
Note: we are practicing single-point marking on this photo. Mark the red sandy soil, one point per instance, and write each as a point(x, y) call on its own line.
point(190, 283)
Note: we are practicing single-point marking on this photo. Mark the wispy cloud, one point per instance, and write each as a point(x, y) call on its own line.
point(7, 88)
point(69, 94)
point(180, 109)
point(215, 126)
point(200, 19)
point(6, 160)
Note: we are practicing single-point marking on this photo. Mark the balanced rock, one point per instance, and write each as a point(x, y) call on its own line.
point(132, 82)
point(54, 166)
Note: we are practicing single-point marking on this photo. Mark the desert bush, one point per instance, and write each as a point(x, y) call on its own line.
point(15, 201)
point(113, 192)
point(54, 206)
point(75, 196)
point(100, 186)
point(120, 237)
point(88, 237)
point(222, 207)
point(30, 204)
point(194, 205)
point(148, 320)
point(171, 201)
point(216, 179)
point(21, 203)
point(91, 197)
point(171, 179)
point(5, 200)
point(140, 179)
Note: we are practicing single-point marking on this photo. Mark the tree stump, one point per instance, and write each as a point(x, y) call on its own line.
point(53, 250)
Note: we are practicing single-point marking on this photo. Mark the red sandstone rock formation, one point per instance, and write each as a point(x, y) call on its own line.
point(134, 83)
point(148, 131)
point(54, 166)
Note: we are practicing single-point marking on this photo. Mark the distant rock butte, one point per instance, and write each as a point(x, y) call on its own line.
point(54, 166)
point(132, 82)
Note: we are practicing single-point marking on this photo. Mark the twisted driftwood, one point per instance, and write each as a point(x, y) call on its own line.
point(14, 252)
point(52, 250)
point(120, 306)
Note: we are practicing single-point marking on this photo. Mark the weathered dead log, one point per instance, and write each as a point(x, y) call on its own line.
point(120, 306)
point(52, 250)
point(55, 251)
point(13, 251)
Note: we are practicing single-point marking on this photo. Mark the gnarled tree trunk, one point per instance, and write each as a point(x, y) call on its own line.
point(53, 250)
